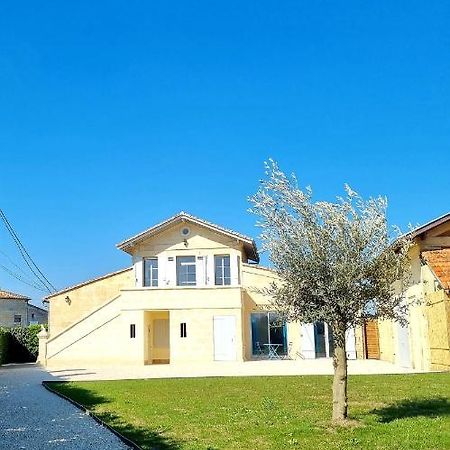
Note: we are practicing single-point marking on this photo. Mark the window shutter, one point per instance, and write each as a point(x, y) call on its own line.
point(171, 271)
point(200, 270)
point(139, 271)
point(234, 281)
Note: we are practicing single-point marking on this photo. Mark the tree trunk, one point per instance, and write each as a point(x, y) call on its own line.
point(340, 374)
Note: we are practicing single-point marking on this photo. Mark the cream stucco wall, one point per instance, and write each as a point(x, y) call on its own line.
point(85, 299)
point(201, 243)
point(93, 326)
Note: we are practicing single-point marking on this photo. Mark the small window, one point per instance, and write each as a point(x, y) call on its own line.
point(17, 318)
point(186, 271)
point(185, 232)
point(183, 331)
point(151, 272)
point(32, 315)
point(222, 270)
point(132, 331)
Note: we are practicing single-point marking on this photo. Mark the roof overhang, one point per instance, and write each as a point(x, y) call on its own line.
point(420, 231)
point(248, 243)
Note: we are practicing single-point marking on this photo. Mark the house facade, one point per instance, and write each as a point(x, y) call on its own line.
point(424, 343)
point(16, 311)
point(191, 295)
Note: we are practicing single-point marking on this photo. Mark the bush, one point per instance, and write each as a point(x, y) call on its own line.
point(18, 345)
point(4, 340)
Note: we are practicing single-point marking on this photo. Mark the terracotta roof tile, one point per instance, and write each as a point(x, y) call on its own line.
point(12, 296)
point(439, 262)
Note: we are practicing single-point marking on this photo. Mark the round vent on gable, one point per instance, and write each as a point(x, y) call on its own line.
point(185, 232)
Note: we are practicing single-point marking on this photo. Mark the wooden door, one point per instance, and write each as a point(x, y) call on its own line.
point(372, 344)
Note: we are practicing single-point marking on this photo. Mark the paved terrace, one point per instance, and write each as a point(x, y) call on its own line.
point(321, 366)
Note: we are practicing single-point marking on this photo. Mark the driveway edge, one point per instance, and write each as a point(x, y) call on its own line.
point(47, 385)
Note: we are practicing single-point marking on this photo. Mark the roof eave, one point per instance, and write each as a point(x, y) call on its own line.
point(128, 244)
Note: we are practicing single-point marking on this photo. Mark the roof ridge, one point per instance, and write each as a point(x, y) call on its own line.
point(9, 295)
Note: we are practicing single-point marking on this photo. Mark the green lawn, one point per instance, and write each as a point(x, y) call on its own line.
point(257, 413)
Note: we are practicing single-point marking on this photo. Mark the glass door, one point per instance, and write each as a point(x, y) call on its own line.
point(268, 328)
point(323, 340)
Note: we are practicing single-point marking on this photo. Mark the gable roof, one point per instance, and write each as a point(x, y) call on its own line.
point(7, 295)
point(439, 262)
point(248, 242)
point(429, 226)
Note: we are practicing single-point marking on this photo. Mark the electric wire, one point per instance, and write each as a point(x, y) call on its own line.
point(26, 256)
point(18, 277)
point(15, 265)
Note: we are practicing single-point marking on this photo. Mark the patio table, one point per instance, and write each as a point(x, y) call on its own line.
point(273, 350)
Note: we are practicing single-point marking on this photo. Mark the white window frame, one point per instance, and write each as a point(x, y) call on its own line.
point(192, 263)
point(152, 271)
point(222, 279)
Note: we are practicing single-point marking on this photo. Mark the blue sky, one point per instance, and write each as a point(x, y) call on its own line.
point(116, 115)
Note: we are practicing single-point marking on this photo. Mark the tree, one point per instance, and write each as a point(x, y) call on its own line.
point(336, 262)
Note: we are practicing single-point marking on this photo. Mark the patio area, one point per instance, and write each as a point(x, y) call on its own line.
point(320, 366)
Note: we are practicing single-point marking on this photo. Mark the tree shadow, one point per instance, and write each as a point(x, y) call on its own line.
point(417, 407)
point(145, 438)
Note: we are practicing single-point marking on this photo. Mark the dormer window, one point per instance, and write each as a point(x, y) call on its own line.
point(186, 275)
point(222, 273)
point(151, 272)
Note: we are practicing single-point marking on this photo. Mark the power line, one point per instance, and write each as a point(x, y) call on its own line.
point(14, 264)
point(21, 249)
point(18, 277)
point(26, 256)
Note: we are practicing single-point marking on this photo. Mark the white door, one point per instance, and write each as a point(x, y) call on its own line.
point(308, 350)
point(404, 358)
point(350, 343)
point(224, 338)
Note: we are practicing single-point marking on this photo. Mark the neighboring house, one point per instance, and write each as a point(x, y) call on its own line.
point(425, 343)
point(16, 311)
point(190, 295)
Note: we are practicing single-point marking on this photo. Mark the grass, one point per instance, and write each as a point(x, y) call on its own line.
point(389, 412)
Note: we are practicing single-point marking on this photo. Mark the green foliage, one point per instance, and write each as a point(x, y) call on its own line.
point(4, 339)
point(401, 412)
point(332, 258)
point(19, 344)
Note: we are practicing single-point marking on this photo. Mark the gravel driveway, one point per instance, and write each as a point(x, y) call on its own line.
point(33, 418)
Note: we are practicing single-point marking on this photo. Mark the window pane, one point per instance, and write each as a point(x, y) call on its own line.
point(227, 275)
point(259, 333)
point(151, 272)
point(186, 271)
point(222, 270)
point(268, 328)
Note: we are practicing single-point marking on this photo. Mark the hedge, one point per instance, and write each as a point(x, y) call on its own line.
point(18, 345)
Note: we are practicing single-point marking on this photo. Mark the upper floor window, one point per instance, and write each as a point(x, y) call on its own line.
point(17, 318)
point(186, 271)
point(222, 273)
point(151, 272)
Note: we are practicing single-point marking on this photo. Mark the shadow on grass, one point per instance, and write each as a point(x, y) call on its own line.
point(145, 438)
point(418, 407)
